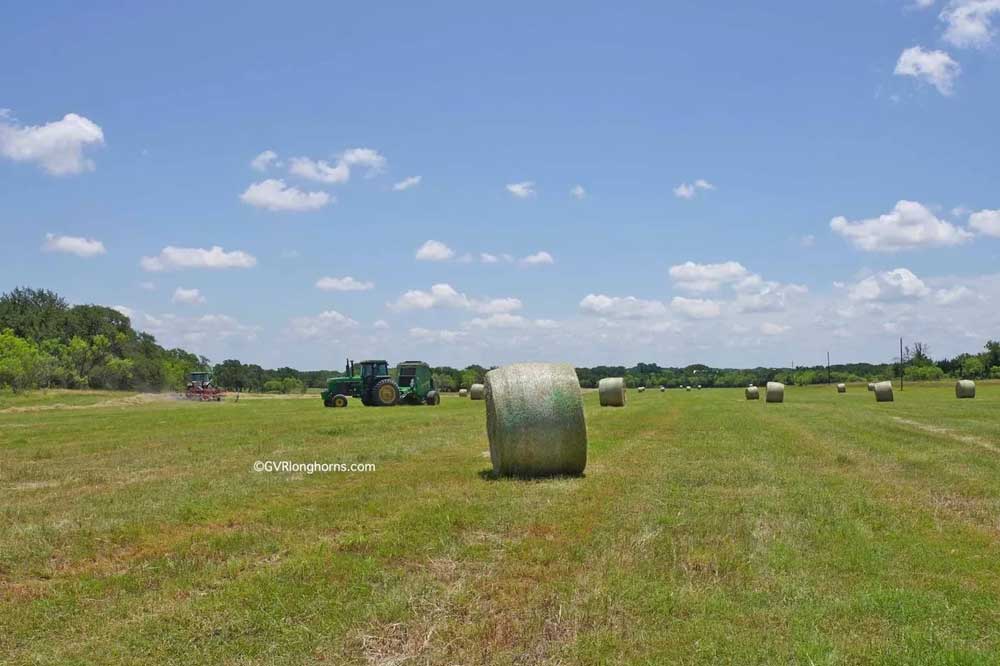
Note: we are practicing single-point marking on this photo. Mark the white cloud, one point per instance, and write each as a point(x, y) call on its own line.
point(366, 157)
point(319, 170)
point(148, 286)
point(690, 276)
point(970, 22)
point(769, 328)
point(273, 194)
point(322, 326)
point(696, 308)
point(767, 296)
point(935, 67)
point(81, 247)
point(577, 192)
point(58, 147)
point(434, 250)
point(907, 226)
point(263, 161)
point(176, 258)
point(538, 258)
point(188, 296)
point(381, 324)
point(125, 310)
point(488, 258)
point(688, 191)
point(172, 331)
point(346, 283)
point(446, 296)
point(895, 285)
point(684, 191)
point(953, 295)
point(324, 172)
point(622, 307)
point(407, 183)
point(500, 320)
point(440, 336)
point(986, 222)
point(497, 305)
point(522, 190)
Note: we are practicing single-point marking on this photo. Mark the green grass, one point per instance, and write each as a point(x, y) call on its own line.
point(707, 529)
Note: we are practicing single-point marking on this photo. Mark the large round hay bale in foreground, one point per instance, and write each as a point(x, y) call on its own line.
point(463, 393)
point(752, 393)
point(871, 386)
point(883, 392)
point(841, 388)
point(611, 391)
point(965, 388)
point(775, 392)
point(534, 420)
point(477, 392)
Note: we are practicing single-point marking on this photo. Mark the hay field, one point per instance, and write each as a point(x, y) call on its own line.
point(707, 530)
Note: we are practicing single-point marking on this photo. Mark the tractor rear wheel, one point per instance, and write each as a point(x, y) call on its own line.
point(340, 400)
point(385, 393)
point(433, 398)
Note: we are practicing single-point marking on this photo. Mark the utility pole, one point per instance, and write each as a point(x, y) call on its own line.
point(901, 364)
point(828, 367)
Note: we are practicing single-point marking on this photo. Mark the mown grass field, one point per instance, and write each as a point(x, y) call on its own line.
point(707, 530)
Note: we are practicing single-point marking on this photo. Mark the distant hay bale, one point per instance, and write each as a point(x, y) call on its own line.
point(463, 393)
point(752, 393)
point(871, 386)
point(883, 392)
point(965, 388)
point(699, 387)
point(641, 389)
point(611, 392)
point(534, 420)
point(662, 389)
point(477, 392)
point(841, 388)
point(687, 388)
point(775, 392)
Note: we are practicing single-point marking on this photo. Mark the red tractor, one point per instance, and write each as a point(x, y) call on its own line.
point(199, 387)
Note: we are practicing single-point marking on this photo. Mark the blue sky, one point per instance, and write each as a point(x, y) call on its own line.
point(717, 147)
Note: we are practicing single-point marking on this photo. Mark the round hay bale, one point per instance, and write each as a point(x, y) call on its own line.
point(611, 391)
point(463, 393)
point(841, 388)
point(662, 389)
point(883, 392)
point(752, 393)
point(641, 389)
point(687, 388)
point(775, 392)
point(534, 420)
point(477, 392)
point(965, 388)
point(871, 386)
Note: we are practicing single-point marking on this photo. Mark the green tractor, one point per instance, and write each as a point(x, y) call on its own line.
point(375, 387)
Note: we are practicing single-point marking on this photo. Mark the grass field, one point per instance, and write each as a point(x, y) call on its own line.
point(707, 530)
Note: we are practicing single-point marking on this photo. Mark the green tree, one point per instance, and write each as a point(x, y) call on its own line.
point(972, 367)
point(21, 363)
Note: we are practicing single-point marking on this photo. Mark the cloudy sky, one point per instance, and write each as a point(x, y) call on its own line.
point(730, 183)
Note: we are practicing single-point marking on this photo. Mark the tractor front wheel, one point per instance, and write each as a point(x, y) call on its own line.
point(340, 400)
point(385, 393)
point(328, 402)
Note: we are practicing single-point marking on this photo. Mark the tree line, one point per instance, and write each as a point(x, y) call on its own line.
point(45, 342)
